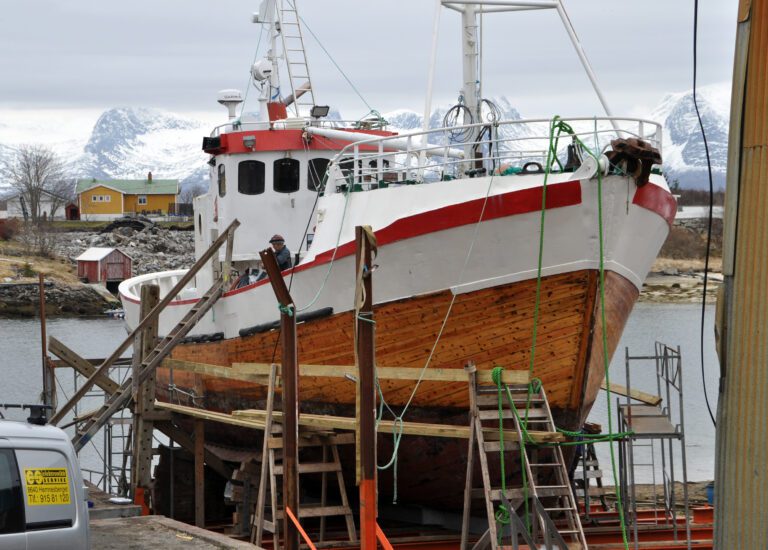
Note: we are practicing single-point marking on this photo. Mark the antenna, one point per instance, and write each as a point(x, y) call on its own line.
point(230, 99)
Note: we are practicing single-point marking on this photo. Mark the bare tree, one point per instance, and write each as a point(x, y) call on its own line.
point(190, 192)
point(37, 174)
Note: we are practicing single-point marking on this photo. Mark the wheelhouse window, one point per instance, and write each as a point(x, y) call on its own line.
point(286, 175)
point(222, 181)
point(316, 173)
point(250, 177)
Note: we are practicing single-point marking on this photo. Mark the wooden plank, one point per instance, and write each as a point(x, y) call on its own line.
point(314, 441)
point(409, 428)
point(230, 373)
point(387, 373)
point(83, 366)
point(313, 468)
point(211, 415)
point(638, 395)
point(185, 440)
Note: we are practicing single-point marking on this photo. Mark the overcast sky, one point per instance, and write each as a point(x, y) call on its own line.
point(176, 54)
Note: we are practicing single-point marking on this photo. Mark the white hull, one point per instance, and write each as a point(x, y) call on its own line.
point(425, 246)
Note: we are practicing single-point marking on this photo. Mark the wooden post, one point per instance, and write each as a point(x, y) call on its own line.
point(199, 473)
point(741, 459)
point(144, 399)
point(48, 386)
point(471, 371)
point(366, 410)
point(290, 380)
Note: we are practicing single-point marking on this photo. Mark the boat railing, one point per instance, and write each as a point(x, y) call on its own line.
point(473, 150)
point(166, 280)
point(294, 124)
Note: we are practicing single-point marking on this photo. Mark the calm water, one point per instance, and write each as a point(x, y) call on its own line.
point(21, 371)
point(673, 324)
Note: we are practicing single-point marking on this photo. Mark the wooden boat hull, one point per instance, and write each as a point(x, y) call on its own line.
point(491, 327)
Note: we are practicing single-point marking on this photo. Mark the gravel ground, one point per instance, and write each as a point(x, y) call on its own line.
point(139, 533)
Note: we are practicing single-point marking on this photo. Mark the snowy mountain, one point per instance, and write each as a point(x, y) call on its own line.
point(683, 148)
point(128, 142)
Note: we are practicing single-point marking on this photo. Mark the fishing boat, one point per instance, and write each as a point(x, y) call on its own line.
point(488, 231)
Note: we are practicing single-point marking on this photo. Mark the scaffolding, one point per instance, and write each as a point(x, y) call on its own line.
point(113, 445)
point(655, 431)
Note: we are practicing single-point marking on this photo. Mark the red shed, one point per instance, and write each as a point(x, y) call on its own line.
point(103, 265)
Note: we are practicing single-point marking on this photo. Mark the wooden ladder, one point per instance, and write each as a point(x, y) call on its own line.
point(544, 465)
point(122, 396)
point(271, 469)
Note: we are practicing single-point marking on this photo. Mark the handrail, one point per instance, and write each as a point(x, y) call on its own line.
point(393, 159)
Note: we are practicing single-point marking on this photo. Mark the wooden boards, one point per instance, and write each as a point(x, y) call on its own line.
point(259, 372)
point(490, 326)
point(255, 419)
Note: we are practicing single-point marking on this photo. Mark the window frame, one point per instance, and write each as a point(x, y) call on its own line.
point(310, 178)
point(277, 177)
point(260, 189)
point(17, 494)
point(222, 179)
point(139, 200)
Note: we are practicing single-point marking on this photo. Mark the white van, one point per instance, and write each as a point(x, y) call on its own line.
point(43, 502)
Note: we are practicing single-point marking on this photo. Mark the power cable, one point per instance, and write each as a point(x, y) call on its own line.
point(709, 220)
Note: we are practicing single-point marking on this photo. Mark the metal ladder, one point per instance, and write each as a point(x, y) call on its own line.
point(295, 56)
point(545, 468)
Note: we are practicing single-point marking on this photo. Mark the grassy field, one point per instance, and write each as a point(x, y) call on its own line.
point(16, 265)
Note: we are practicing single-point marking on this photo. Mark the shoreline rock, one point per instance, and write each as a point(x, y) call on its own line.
point(22, 300)
point(672, 287)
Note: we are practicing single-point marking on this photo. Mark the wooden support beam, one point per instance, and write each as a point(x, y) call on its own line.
point(259, 372)
point(144, 397)
point(199, 473)
point(365, 419)
point(83, 366)
point(185, 440)
point(254, 419)
point(290, 374)
point(638, 395)
point(230, 373)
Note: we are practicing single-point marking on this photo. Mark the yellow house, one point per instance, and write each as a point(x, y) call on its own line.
point(109, 199)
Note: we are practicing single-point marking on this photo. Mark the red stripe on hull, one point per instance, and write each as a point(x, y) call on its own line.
point(656, 199)
point(466, 213)
point(448, 217)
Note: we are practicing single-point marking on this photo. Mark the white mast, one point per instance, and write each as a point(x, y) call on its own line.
point(266, 70)
point(468, 10)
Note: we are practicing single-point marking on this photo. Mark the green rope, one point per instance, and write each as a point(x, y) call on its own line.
point(606, 362)
point(333, 256)
point(502, 514)
point(558, 127)
point(288, 310)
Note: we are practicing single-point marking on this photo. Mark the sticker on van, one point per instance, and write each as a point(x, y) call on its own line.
point(47, 486)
